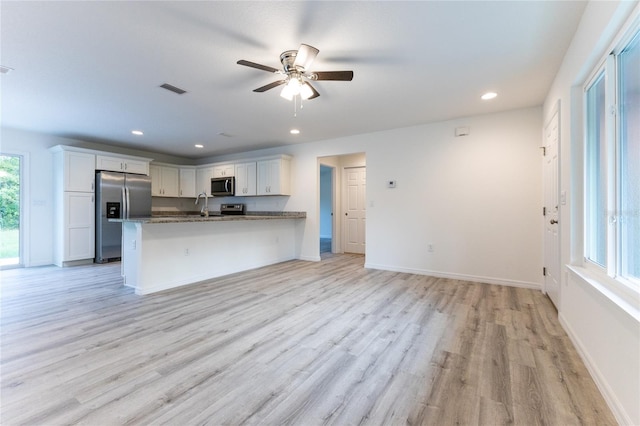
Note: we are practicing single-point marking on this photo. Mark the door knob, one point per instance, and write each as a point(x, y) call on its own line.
point(553, 221)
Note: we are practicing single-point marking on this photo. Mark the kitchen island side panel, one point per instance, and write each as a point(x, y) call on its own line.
point(131, 249)
point(168, 255)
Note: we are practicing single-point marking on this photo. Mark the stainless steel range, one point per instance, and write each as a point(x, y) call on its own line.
point(231, 209)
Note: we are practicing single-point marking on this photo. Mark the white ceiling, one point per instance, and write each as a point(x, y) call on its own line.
point(91, 70)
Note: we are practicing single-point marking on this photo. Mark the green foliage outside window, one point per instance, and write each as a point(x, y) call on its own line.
point(9, 192)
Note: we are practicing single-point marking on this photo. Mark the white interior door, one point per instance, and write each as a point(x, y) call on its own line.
point(551, 225)
point(354, 183)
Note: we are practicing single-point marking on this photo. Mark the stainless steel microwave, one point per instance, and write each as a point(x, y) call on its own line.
point(223, 186)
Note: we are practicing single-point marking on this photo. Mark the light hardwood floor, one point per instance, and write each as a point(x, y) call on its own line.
point(300, 343)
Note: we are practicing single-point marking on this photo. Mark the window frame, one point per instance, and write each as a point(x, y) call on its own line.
point(626, 288)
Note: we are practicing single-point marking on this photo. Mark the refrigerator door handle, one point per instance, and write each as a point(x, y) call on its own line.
point(124, 203)
point(126, 190)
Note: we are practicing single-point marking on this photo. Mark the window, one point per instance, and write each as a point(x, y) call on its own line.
point(612, 165)
point(629, 159)
point(596, 208)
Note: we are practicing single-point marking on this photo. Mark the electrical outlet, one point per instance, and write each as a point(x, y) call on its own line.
point(133, 244)
point(186, 252)
point(430, 247)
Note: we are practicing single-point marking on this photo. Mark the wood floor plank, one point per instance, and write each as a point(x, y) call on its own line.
point(301, 343)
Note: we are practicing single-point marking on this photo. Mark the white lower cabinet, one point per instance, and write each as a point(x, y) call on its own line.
point(245, 179)
point(78, 229)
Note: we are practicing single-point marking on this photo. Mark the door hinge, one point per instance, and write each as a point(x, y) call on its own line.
point(544, 211)
point(544, 150)
point(544, 271)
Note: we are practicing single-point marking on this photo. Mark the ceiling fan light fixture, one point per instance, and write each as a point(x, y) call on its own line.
point(287, 93)
point(306, 91)
point(291, 89)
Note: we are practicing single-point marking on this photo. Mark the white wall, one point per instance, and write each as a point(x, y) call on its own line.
point(476, 199)
point(607, 336)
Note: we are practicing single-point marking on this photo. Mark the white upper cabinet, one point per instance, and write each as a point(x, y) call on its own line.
point(187, 182)
point(79, 171)
point(245, 179)
point(224, 170)
point(122, 164)
point(164, 181)
point(274, 177)
point(203, 180)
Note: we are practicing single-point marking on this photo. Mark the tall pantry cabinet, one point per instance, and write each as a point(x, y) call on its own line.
point(74, 206)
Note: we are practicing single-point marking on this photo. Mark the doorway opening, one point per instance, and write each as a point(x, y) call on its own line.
point(10, 206)
point(326, 209)
point(341, 213)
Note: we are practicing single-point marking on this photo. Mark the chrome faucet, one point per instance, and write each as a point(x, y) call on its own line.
point(205, 208)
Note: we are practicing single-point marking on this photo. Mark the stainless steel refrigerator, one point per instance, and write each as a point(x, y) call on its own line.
point(121, 196)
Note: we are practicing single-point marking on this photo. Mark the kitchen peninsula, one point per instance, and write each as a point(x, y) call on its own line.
point(159, 253)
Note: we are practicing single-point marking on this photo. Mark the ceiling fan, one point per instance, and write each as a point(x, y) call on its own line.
point(296, 71)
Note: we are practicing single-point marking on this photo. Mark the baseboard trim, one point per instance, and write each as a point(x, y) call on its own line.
point(607, 393)
point(453, 276)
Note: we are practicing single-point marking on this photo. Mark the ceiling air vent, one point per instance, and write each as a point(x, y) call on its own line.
point(173, 89)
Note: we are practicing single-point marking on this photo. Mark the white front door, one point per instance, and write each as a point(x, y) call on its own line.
point(355, 182)
point(551, 234)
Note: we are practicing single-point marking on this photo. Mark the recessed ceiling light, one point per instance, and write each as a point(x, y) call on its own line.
point(137, 132)
point(199, 146)
point(488, 95)
point(294, 131)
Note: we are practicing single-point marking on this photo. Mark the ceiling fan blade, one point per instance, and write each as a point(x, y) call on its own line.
point(333, 75)
point(305, 56)
point(313, 89)
point(270, 86)
point(257, 66)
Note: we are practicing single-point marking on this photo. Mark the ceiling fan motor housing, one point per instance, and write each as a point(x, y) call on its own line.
point(288, 58)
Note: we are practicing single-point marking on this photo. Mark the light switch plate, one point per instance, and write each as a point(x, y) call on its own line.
point(391, 184)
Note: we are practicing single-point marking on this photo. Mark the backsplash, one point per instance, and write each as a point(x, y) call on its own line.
point(187, 205)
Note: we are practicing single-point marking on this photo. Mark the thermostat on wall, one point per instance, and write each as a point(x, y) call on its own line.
point(391, 184)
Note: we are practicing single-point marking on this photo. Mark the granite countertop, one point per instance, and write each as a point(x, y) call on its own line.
point(177, 217)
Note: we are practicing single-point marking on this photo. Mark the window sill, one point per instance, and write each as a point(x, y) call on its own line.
point(625, 297)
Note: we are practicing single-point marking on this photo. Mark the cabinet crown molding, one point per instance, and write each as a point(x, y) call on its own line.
point(62, 148)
